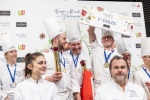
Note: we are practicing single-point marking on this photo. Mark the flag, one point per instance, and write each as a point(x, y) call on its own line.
point(86, 89)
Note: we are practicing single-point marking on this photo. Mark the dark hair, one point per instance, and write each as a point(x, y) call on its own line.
point(28, 60)
point(117, 58)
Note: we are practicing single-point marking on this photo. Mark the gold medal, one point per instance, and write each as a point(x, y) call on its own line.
point(106, 65)
point(64, 70)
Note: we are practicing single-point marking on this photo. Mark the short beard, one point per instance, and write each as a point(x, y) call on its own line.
point(119, 79)
point(60, 45)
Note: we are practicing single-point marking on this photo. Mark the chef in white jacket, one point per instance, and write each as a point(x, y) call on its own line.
point(10, 73)
point(143, 75)
point(119, 88)
point(35, 87)
point(101, 55)
point(61, 79)
point(122, 49)
point(76, 53)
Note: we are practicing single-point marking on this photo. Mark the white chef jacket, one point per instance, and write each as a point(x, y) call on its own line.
point(101, 74)
point(140, 77)
point(64, 84)
point(112, 91)
point(6, 79)
point(132, 70)
point(76, 71)
point(29, 89)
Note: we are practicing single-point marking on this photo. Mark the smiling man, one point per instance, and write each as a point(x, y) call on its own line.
point(119, 88)
point(101, 55)
point(76, 53)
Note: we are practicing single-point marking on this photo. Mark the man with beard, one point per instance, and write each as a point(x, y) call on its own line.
point(61, 79)
point(76, 53)
point(142, 76)
point(101, 55)
point(119, 88)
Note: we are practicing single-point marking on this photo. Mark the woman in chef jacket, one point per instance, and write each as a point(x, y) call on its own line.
point(34, 87)
point(10, 73)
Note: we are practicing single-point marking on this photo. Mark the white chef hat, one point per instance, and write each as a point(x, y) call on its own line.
point(121, 47)
point(145, 48)
point(6, 42)
point(52, 27)
point(73, 31)
point(106, 32)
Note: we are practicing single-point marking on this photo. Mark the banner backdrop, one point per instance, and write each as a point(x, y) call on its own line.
point(23, 20)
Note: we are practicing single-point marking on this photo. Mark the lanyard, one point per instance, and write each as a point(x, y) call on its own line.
point(146, 72)
point(62, 59)
point(107, 57)
point(75, 60)
point(129, 74)
point(12, 77)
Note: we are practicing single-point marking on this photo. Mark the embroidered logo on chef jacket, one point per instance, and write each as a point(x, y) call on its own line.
point(18, 74)
point(132, 93)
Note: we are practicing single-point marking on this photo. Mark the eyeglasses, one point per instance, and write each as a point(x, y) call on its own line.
point(107, 37)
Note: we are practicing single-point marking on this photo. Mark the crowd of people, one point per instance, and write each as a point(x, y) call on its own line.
point(114, 77)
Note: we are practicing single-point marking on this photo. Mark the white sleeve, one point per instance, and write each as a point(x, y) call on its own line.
point(17, 93)
point(94, 44)
point(98, 58)
point(55, 93)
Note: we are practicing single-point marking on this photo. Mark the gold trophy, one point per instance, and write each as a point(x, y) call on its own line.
point(56, 59)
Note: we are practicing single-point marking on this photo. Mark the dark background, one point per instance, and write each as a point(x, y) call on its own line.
point(146, 8)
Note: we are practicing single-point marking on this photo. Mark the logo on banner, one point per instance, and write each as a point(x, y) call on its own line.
point(69, 14)
point(4, 13)
point(124, 13)
point(21, 35)
point(138, 45)
point(133, 5)
point(136, 14)
point(138, 24)
point(4, 24)
point(125, 36)
point(138, 34)
point(21, 47)
point(21, 24)
point(138, 5)
point(20, 59)
point(42, 36)
point(21, 12)
point(1, 48)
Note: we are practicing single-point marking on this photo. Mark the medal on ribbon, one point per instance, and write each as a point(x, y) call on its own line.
point(63, 63)
point(106, 64)
point(13, 84)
